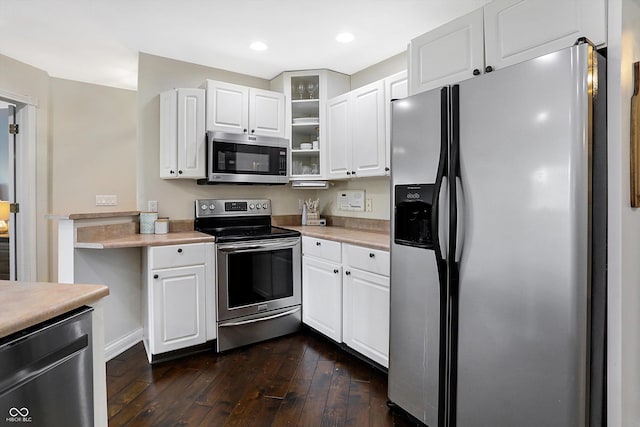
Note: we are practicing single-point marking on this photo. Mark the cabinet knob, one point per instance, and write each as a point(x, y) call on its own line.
point(172, 172)
point(348, 173)
point(336, 271)
point(253, 131)
point(179, 250)
point(386, 169)
point(244, 130)
point(488, 69)
point(318, 243)
point(348, 273)
point(155, 276)
point(476, 72)
point(180, 172)
point(372, 255)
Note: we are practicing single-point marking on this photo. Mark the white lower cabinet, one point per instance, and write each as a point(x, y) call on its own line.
point(176, 297)
point(365, 326)
point(345, 295)
point(322, 296)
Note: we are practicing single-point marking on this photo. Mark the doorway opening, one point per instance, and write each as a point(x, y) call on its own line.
point(7, 191)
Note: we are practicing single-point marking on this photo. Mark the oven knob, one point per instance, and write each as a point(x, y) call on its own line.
point(265, 206)
point(251, 206)
point(203, 207)
point(212, 206)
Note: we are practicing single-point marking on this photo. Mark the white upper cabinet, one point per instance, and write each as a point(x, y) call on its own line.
point(518, 30)
point(395, 87)
point(503, 33)
point(339, 137)
point(182, 133)
point(368, 130)
point(450, 53)
point(356, 133)
point(240, 109)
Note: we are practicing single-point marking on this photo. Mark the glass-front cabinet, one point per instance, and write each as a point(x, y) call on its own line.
point(306, 94)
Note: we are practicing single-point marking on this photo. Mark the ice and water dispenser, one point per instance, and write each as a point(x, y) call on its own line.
point(413, 215)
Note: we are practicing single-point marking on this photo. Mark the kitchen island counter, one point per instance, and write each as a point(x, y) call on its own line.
point(26, 304)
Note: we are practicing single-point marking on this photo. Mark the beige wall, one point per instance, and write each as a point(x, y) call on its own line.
point(25, 80)
point(393, 65)
point(175, 197)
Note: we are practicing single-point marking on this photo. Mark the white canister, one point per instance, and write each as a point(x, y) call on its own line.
point(162, 226)
point(147, 222)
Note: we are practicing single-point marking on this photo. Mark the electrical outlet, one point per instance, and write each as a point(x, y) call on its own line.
point(368, 205)
point(106, 200)
point(152, 206)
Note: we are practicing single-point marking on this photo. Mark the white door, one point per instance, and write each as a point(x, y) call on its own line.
point(339, 137)
point(395, 87)
point(366, 314)
point(518, 30)
point(368, 131)
point(178, 308)
point(266, 113)
point(227, 107)
point(448, 54)
point(191, 134)
point(322, 297)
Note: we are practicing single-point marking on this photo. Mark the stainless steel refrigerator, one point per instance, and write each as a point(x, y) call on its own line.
point(498, 247)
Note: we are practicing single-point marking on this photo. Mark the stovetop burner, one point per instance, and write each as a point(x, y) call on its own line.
point(238, 220)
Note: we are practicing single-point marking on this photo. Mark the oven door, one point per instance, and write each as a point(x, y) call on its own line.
point(258, 276)
point(247, 159)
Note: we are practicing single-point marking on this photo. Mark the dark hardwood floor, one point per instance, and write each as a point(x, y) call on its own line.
point(297, 380)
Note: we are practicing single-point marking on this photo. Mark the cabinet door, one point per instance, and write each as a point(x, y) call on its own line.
point(368, 134)
point(191, 133)
point(322, 296)
point(178, 308)
point(266, 113)
point(168, 134)
point(448, 54)
point(395, 87)
point(339, 137)
point(227, 107)
point(366, 314)
point(518, 30)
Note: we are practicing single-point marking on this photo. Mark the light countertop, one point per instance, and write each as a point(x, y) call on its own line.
point(369, 239)
point(143, 240)
point(25, 304)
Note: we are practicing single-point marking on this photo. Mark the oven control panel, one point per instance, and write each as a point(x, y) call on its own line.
point(232, 207)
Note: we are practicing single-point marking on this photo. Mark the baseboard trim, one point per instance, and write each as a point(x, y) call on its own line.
point(122, 344)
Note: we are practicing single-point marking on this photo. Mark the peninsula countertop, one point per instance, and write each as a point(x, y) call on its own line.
point(25, 304)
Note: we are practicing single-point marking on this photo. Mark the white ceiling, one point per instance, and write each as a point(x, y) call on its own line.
point(97, 41)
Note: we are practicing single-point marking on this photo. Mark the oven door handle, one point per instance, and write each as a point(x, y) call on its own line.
point(259, 319)
point(262, 246)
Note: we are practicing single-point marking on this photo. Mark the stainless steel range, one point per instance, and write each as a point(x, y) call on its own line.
point(258, 271)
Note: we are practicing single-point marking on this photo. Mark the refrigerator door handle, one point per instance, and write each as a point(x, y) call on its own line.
point(443, 223)
point(460, 220)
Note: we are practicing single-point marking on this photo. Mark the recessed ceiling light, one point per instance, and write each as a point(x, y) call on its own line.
point(344, 37)
point(258, 46)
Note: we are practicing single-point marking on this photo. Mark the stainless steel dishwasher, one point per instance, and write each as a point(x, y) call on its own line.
point(46, 373)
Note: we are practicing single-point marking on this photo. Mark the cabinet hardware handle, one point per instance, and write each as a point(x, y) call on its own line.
point(318, 243)
point(353, 172)
point(348, 273)
point(335, 270)
point(488, 69)
point(172, 172)
point(180, 172)
point(372, 255)
point(348, 173)
point(253, 131)
point(244, 130)
point(155, 276)
point(180, 250)
point(476, 72)
point(386, 169)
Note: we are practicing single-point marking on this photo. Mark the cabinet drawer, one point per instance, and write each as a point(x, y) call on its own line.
point(325, 249)
point(372, 260)
point(176, 255)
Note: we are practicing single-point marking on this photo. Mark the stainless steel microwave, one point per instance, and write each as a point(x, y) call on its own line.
point(246, 159)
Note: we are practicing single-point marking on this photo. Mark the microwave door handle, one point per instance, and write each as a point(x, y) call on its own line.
point(259, 319)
